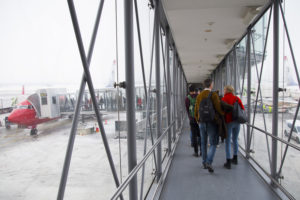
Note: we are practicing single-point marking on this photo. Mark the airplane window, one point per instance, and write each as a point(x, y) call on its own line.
point(54, 100)
point(23, 107)
point(44, 100)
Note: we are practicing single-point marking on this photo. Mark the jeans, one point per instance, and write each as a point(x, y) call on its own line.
point(191, 136)
point(208, 130)
point(195, 133)
point(233, 129)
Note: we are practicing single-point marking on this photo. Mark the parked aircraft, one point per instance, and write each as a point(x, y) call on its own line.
point(40, 107)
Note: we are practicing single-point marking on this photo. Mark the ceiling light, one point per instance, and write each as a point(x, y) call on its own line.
point(251, 12)
point(220, 56)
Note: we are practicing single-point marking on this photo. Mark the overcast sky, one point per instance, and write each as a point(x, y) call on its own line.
point(38, 45)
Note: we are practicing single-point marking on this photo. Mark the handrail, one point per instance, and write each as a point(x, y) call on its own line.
point(278, 138)
point(268, 175)
point(134, 171)
point(263, 170)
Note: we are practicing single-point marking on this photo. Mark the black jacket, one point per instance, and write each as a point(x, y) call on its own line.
point(222, 129)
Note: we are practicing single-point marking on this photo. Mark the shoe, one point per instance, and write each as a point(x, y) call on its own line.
point(227, 165)
point(195, 154)
point(234, 160)
point(204, 166)
point(200, 154)
point(210, 168)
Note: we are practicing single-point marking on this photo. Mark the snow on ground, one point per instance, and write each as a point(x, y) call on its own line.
point(31, 167)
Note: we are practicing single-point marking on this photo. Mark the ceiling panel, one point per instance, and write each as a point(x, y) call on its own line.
point(205, 31)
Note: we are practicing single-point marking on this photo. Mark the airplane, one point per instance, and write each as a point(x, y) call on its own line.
point(47, 105)
point(26, 117)
point(40, 107)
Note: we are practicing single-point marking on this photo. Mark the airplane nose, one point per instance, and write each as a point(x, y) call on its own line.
point(14, 117)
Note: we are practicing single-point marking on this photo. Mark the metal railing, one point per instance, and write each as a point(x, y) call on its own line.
point(136, 169)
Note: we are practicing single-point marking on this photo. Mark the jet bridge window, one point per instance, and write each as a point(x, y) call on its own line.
point(53, 100)
point(44, 98)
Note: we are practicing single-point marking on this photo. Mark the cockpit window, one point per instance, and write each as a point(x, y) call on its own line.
point(25, 107)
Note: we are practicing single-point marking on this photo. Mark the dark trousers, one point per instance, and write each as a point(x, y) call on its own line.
point(196, 139)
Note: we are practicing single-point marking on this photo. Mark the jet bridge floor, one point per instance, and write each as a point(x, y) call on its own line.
point(187, 180)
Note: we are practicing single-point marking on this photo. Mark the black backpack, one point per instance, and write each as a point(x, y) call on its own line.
point(206, 109)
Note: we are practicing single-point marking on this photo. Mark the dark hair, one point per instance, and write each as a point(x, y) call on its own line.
point(207, 82)
point(191, 88)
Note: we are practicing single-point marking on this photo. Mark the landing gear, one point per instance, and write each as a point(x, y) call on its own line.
point(33, 131)
point(7, 123)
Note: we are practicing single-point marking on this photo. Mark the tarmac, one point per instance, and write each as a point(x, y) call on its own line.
point(31, 167)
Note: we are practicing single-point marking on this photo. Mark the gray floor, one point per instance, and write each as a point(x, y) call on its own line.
point(187, 180)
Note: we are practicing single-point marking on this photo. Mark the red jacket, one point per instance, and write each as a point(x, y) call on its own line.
point(230, 99)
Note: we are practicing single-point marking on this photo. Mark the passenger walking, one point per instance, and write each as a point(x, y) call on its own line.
point(190, 101)
point(233, 127)
point(191, 134)
point(207, 104)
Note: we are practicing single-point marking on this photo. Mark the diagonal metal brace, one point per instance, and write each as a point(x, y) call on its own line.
point(86, 78)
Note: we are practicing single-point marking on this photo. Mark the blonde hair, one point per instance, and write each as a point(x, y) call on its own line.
point(229, 89)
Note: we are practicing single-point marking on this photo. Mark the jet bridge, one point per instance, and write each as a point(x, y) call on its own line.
point(192, 41)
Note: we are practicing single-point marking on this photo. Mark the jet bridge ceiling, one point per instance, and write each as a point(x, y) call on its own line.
point(205, 30)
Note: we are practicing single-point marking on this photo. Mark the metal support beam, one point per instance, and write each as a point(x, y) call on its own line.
point(226, 63)
point(259, 85)
point(173, 93)
point(148, 121)
point(177, 92)
point(140, 46)
point(275, 87)
point(85, 78)
point(168, 89)
point(248, 55)
point(179, 95)
point(158, 88)
point(235, 78)
point(130, 95)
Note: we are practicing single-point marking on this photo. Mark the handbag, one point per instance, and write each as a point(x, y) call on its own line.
point(238, 114)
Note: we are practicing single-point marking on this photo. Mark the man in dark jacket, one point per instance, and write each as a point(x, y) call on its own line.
point(190, 101)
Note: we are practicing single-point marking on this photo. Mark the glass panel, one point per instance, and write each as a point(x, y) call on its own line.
point(239, 91)
point(145, 127)
point(288, 99)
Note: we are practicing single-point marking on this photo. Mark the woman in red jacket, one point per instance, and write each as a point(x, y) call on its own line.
point(233, 127)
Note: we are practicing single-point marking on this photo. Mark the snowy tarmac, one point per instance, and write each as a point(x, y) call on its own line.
point(31, 167)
